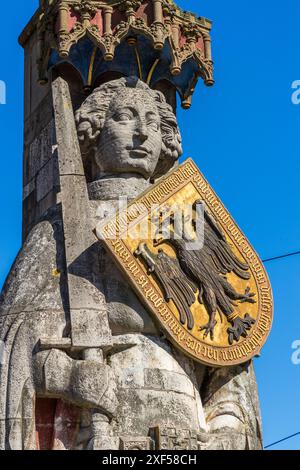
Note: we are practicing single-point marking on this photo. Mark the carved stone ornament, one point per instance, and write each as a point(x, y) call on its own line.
point(136, 443)
point(168, 438)
point(207, 289)
point(61, 24)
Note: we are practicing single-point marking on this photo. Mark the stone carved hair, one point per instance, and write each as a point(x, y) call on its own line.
point(91, 115)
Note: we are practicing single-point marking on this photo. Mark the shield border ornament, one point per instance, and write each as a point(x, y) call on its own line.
point(110, 233)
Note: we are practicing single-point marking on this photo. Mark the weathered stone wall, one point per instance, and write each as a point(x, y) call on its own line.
point(40, 177)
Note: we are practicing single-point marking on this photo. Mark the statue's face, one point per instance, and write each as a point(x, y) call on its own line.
point(130, 141)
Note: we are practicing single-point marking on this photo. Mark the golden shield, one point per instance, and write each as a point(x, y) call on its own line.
point(193, 268)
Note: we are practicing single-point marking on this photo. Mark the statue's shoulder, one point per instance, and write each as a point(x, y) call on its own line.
point(37, 267)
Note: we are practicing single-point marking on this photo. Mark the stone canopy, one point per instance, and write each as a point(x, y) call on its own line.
point(152, 39)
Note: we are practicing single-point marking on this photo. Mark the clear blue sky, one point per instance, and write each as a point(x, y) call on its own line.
point(244, 135)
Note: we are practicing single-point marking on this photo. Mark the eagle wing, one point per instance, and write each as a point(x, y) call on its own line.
point(175, 285)
point(207, 267)
point(220, 252)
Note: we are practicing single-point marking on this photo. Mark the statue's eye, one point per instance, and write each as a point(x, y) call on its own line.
point(123, 117)
point(153, 125)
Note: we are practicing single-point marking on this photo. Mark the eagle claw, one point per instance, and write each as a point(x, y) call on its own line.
point(247, 297)
point(240, 327)
point(209, 329)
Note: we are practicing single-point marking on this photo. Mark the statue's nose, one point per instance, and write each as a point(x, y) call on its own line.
point(143, 131)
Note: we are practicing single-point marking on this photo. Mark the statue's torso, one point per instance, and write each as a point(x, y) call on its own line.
point(157, 382)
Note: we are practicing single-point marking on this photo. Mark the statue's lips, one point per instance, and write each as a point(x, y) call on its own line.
point(140, 152)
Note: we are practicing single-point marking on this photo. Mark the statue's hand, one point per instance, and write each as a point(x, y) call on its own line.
point(85, 383)
point(225, 432)
point(224, 440)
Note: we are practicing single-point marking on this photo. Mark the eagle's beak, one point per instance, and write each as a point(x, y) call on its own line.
point(157, 241)
point(159, 238)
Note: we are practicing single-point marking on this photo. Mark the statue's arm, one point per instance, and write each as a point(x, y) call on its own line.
point(231, 408)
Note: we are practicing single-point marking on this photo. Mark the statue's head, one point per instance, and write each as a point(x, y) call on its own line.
point(129, 128)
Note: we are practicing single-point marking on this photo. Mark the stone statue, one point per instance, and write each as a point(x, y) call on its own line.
point(150, 393)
